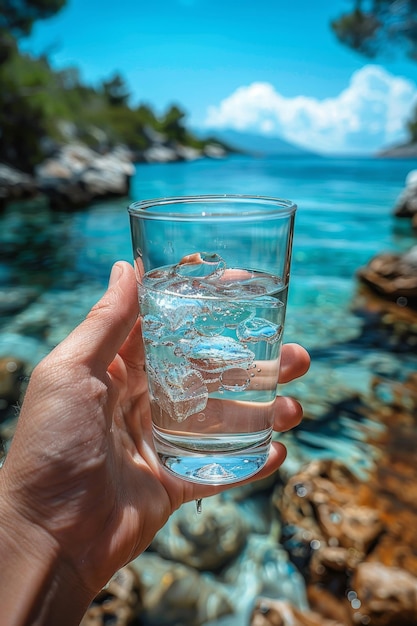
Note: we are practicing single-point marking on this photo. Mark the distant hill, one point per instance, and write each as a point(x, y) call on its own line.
point(402, 151)
point(255, 144)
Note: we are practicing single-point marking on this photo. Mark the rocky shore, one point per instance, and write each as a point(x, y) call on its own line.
point(74, 176)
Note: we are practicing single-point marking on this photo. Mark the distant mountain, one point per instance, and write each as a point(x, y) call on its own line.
point(402, 151)
point(255, 144)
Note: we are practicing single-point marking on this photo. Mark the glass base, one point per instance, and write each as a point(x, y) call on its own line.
point(212, 468)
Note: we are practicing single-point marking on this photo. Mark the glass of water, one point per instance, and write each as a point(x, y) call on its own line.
point(212, 274)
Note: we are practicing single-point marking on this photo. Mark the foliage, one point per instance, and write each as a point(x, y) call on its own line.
point(40, 108)
point(375, 27)
point(17, 17)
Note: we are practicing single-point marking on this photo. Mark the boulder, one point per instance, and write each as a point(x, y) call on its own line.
point(12, 376)
point(119, 603)
point(15, 185)
point(394, 276)
point(406, 205)
point(77, 175)
point(177, 594)
point(159, 153)
point(322, 502)
point(206, 542)
point(386, 595)
point(269, 612)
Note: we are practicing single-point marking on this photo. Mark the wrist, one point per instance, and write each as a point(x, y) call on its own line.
point(39, 585)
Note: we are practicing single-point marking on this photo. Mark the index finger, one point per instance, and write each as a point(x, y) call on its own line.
point(295, 362)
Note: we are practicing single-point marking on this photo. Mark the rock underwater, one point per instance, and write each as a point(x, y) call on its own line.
point(394, 276)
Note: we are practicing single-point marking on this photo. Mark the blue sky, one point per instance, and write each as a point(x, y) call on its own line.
point(261, 66)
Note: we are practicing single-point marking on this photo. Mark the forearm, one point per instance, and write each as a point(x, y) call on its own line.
point(37, 588)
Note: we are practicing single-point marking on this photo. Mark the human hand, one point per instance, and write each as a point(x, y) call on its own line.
point(82, 469)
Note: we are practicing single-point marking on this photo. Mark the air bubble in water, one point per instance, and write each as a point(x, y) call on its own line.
point(235, 379)
point(207, 325)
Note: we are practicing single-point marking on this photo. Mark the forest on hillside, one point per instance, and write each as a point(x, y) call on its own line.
point(41, 108)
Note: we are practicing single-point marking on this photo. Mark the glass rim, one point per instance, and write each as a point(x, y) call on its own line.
point(271, 207)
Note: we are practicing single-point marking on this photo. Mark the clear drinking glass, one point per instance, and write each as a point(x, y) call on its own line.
point(212, 275)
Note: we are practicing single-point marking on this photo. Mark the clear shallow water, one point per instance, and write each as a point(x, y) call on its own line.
point(344, 218)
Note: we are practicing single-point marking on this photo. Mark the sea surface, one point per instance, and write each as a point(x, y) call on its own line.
point(53, 267)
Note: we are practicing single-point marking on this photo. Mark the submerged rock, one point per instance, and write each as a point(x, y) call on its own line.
point(12, 373)
point(354, 538)
point(386, 595)
point(279, 613)
point(178, 594)
point(206, 541)
point(119, 603)
point(394, 276)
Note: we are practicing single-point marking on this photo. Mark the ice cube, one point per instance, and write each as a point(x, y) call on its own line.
point(205, 265)
point(216, 354)
point(259, 329)
point(178, 390)
point(153, 328)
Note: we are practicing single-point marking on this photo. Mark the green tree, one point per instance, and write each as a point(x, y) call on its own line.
point(17, 18)
point(376, 27)
point(171, 124)
point(115, 90)
point(23, 118)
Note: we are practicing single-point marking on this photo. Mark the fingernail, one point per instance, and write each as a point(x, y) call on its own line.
point(115, 274)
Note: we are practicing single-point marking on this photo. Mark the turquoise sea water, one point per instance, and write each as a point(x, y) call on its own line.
point(344, 217)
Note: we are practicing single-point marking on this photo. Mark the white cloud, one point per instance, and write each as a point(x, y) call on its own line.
point(369, 114)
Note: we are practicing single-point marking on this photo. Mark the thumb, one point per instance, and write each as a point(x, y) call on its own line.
point(98, 338)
